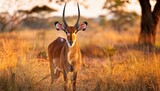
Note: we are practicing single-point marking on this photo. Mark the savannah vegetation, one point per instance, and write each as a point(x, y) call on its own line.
point(113, 60)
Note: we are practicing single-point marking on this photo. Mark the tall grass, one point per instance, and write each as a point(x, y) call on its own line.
point(106, 68)
point(19, 67)
point(141, 76)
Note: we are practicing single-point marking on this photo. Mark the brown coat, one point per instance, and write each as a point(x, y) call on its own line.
point(63, 58)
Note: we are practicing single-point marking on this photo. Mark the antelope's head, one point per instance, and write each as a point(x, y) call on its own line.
point(71, 31)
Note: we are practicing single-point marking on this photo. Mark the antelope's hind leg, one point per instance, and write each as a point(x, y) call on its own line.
point(66, 80)
point(52, 73)
point(55, 73)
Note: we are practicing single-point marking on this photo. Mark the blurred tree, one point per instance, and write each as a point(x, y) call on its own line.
point(149, 18)
point(122, 17)
point(149, 22)
point(9, 23)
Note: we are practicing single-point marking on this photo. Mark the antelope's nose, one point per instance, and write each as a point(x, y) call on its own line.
point(70, 43)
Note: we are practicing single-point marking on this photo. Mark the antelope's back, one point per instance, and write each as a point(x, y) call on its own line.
point(54, 49)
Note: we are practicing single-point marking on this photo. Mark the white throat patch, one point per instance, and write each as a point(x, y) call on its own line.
point(69, 44)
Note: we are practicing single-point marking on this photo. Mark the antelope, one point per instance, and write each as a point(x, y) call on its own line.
point(64, 54)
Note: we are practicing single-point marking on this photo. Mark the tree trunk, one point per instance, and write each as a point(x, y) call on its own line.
point(149, 22)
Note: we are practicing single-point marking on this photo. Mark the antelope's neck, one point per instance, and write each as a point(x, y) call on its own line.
point(73, 53)
point(73, 48)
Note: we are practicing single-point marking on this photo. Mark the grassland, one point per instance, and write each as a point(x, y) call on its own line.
point(112, 61)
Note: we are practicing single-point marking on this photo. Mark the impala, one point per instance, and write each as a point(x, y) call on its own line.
point(64, 54)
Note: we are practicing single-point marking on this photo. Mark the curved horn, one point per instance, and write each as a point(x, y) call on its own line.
point(64, 21)
point(76, 25)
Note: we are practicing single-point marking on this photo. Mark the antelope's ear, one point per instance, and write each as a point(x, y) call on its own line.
point(59, 26)
point(83, 26)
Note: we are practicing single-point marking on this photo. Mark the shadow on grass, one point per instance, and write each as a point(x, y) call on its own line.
point(121, 52)
point(94, 51)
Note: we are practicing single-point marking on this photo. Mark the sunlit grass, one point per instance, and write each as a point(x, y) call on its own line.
point(19, 68)
point(111, 62)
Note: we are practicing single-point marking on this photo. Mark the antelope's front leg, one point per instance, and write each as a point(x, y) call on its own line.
point(74, 81)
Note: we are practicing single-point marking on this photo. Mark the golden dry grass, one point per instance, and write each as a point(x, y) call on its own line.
point(112, 61)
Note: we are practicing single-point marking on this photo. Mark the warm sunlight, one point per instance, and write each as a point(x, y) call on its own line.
point(92, 45)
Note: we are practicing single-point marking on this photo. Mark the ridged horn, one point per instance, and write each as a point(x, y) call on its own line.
point(76, 25)
point(64, 20)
